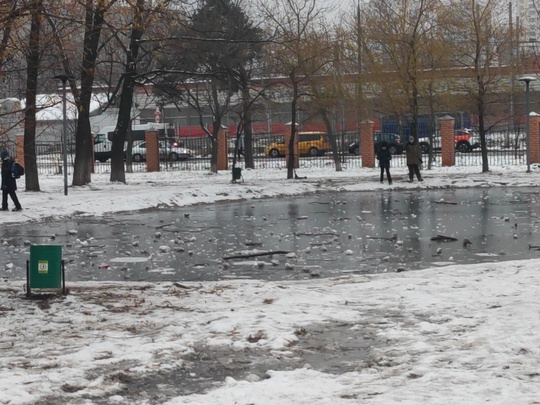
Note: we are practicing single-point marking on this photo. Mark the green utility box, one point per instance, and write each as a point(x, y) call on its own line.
point(45, 270)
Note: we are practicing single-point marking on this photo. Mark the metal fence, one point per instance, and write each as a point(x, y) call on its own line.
point(505, 146)
point(50, 158)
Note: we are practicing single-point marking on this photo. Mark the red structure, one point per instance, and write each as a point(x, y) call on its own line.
point(535, 137)
point(448, 142)
point(222, 158)
point(367, 147)
point(152, 151)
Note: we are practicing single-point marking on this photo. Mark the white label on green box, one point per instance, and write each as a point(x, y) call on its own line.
point(43, 266)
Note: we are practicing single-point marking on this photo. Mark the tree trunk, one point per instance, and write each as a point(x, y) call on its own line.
point(332, 139)
point(129, 150)
point(32, 63)
point(213, 158)
point(431, 130)
point(83, 141)
point(126, 100)
point(482, 132)
point(414, 108)
point(248, 130)
point(291, 160)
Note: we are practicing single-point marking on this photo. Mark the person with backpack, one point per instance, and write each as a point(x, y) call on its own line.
point(9, 183)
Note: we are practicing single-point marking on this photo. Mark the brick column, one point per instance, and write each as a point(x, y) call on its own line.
point(19, 149)
point(448, 142)
point(152, 151)
point(295, 146)
point(534, 121)
point(222, 150)
point(367, 146)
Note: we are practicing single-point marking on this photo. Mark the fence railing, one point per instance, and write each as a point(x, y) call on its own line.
point(505, 146)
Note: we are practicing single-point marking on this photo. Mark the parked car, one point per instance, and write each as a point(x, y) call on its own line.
point(166, 152)
point(475, 141)
point(309, 143)
point(490, 141)
point(395, 146)
point(461, 138)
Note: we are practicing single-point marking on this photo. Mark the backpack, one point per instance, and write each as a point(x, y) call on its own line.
point(17, 170)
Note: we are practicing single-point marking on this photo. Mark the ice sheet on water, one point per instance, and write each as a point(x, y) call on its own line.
point(131, 259)
point(256, 263)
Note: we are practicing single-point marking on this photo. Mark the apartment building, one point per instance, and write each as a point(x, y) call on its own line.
point(528, 12)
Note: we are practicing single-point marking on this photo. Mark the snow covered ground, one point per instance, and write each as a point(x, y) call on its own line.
point(450, 335)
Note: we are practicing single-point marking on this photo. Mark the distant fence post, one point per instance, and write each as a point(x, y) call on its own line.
point(448, 141)
point(19, 149)
point(152, 151)
point(534, 122)
point(222, 152)
point(367, 146)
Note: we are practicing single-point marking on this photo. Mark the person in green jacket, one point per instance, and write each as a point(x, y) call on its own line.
point(414, 158)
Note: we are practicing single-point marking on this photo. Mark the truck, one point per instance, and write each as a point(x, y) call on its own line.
point(103, 139)
point(393, 123)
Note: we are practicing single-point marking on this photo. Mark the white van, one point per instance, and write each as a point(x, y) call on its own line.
point(103, 139)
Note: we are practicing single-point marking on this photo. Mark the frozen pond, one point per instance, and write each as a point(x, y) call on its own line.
point(314, 236)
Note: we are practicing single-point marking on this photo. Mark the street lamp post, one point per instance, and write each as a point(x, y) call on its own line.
point(64, 79)
point(527, 80)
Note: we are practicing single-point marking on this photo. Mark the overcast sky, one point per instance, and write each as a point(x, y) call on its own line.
point(339, 6)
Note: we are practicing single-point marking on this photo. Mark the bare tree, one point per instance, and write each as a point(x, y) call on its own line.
point(94, 19)
point(209, 65)
point(478, 38)
point(118, 172)
point(62, 30)
point(396, 34)
point(435, 96)
point(326, 90)
point(32, 63)
point(294, 22)
point(250, 93)
point(111, 64)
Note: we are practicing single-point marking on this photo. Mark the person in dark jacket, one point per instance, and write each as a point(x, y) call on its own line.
point(9, 184)
point(414, 159)
point(384, 156)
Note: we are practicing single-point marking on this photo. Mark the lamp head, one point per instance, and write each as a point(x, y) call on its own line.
point(527, 79)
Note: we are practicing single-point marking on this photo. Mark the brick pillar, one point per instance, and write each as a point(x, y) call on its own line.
point(534, 119)
point(448, 142)
point(367, 146)
point(152, 151)
point(19, 149)
point(295, 146)
point(222, 150)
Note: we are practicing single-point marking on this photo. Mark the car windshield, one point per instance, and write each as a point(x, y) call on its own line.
point(310, 137)
point(387, 137)
point(99, 138)
point(142, 145)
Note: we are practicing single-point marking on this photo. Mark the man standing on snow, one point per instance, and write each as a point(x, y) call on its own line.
point(414, 159)
point(384, 156)
point(9, 184)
